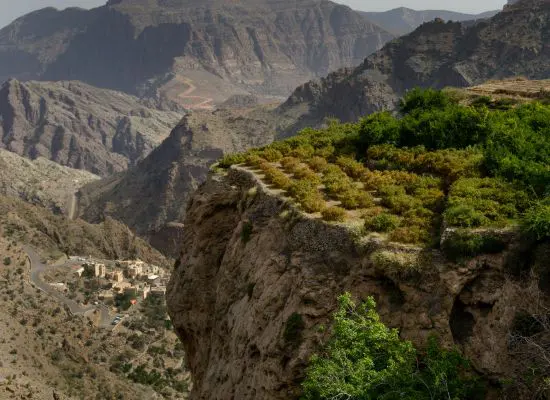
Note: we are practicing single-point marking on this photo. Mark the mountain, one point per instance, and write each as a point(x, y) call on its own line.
point(401, 21)
point(154, 194)
point(77, 125)
point(41, 182)
point(437, 54)
point(193, 51)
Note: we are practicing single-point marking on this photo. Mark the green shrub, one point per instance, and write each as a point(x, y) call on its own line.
point(318, 164)
point(465, 216)
point(232, 159)
point(271, 154)
point(334, 214)
point(7, 261)
point(537, 220)
point(304, 172)
point(307, 194)
point(410, 234)
point(351, 167)
point(383, 222)
point(400, 203)
point(289, 163)
point(353, 198)
point(254, 160)
point(325, 152)
point(313, 203)
point(365, 360)
point(463, 244)
point(303, 152)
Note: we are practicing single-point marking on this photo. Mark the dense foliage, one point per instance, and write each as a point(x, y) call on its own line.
point(365, 360)
point(476, 165)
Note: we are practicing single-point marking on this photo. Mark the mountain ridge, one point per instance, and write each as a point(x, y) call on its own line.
point(267, 47)
point(77, 125)
point(403, 20)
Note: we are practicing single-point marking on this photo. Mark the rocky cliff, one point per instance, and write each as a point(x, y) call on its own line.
point(79, 126)
point(437, 54)
point(250, 261)
point(266, 46)
point(155, 192)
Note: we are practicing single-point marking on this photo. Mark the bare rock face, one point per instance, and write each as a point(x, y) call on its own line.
point(258, 45)
point(249, 262)
point(80, 126)
point(155, 192)
point(437, 54)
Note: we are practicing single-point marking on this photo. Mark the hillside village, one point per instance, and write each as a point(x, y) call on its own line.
point(118, 283)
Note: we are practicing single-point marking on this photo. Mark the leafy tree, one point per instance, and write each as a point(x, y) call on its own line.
point(365, 360)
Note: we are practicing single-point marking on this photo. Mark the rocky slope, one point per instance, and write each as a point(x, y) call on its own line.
point(437, 54)
point(41, 182)
point(266, 46)
point(402, 20)
point(153, 195)
point(251, 261)
point(55, 234)
point(80, 126)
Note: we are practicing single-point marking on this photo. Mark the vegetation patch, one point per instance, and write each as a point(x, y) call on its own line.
point(366, 360)
point(395, 263)
point(463, 244)
point(438, 161)
point(336, 214)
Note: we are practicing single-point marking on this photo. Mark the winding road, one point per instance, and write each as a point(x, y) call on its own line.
point(38, 268)
point(174, 91)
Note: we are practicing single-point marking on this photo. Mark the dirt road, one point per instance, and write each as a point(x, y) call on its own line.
point(38, 268)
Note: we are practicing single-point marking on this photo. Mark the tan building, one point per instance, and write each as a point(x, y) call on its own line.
point(118, 276)
point(100, 270)
point(134, 271)
point(146, 290)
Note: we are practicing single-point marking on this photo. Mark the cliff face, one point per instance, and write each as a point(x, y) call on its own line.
point(250, 262)
point(155, 192)
point(80, 126)
point(437, 54)
point(259, 45)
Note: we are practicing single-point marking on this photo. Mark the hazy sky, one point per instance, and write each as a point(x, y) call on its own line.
point(11, 9)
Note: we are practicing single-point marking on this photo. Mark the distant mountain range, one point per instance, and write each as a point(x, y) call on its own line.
point(401, 21)
point(198, 52)
point(437, 54)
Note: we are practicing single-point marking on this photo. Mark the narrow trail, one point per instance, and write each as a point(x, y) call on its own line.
point(73, 202)
point(205, 103)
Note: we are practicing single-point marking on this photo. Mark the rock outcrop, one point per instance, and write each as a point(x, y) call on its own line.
point(250, 261)
point(264, 46)
point(79, 126)
point(437, 54)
